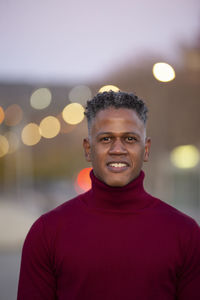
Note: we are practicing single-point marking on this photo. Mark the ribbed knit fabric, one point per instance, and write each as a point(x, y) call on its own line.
point(115, 243)
point(131, 197)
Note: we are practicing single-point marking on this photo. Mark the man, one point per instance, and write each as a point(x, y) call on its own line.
point(114, 241)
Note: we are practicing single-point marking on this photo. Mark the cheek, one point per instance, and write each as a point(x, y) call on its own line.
point(98, 156)
point(137, 155)
point(95, 155)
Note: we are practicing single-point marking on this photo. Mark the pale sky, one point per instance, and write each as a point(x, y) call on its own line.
point(66, 40)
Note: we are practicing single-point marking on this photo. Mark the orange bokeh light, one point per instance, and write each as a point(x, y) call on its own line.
point(83, 181)
point(13, 115)
point(2, 115)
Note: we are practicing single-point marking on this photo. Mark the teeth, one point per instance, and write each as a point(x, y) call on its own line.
point(117, 165)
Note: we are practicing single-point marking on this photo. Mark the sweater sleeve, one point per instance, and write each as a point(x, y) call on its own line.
point(37, 280)
point(189, 280)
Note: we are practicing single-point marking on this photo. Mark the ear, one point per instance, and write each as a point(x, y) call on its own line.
point(87, 149)
point(147, 149)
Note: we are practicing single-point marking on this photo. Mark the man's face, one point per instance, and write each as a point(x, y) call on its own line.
point(117, 146)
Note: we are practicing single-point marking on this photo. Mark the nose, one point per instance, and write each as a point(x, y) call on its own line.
point(117, 148)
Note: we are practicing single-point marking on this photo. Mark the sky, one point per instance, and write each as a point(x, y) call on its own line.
point(66, 40)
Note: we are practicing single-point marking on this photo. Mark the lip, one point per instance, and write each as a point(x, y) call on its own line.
point(117, 169)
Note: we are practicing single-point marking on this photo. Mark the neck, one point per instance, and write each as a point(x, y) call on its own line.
point(129, 197)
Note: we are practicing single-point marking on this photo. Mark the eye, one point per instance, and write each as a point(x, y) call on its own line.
point(105, 139)
point(130, 139)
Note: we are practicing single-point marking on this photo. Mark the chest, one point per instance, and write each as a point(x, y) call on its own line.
point(105, 247)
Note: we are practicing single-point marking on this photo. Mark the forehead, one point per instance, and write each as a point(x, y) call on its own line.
point(117, 120)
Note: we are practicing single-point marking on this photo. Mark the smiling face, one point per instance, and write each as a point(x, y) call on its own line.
point(117, 146)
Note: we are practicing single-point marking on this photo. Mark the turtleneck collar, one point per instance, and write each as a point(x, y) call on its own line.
point(129, 197)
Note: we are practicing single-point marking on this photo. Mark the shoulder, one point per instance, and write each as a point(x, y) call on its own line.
point(175, 218)
point(67, 208)
point(66, 212)
point(49, 223)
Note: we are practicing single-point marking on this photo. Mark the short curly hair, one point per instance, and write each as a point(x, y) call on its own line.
point(117, 100)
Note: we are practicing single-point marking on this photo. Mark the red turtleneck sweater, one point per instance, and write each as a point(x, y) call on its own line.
point(115, 243)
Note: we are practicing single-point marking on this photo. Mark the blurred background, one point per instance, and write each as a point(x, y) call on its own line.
point(54, 56)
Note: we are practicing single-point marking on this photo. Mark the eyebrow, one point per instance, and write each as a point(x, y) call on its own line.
point(112, 133)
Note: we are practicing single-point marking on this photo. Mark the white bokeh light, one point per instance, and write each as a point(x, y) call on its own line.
point(163, 72)
point(80, 94)
point(41, 98)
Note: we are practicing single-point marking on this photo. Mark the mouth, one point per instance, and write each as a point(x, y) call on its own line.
point(117, 167)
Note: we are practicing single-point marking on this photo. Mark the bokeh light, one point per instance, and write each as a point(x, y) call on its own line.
point(80, 94)
point(2, 114)
point(49, 127)
point(4, 146)
point(83, 181)
point(163, 72)
point(107, 88)
point(13, 141)
point(13, 115)
point(41, 98)
point(31, 134)
point(184, 157)
point(73, 113)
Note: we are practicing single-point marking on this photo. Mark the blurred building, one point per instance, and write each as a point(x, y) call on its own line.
point(41, 175)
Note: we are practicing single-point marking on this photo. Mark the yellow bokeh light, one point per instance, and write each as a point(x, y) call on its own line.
point(73, 113)
point(4, 146)
point(13, 115)
point(49, 127)
point(107, 88)
point(12, 140)
point(41, 98)
point(184, 157)
point(163, 72)
point(2, 115)
point(80, 94)
point(31, 134)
